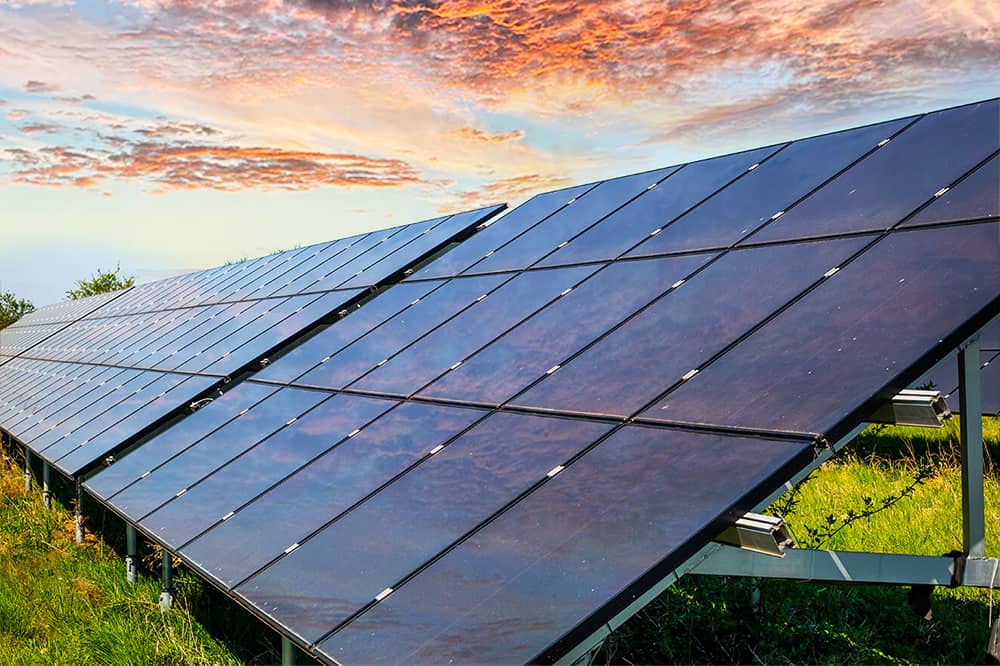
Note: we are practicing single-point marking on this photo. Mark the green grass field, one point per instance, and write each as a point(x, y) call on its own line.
point(65, 604)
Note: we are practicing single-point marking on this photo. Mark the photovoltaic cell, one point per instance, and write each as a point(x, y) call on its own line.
point(446, 346)
point(197, 458)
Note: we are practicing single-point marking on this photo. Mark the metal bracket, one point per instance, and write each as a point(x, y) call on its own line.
point(913, 408)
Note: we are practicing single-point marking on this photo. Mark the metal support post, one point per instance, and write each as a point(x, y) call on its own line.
point(78, 513)
point(288, 652)
point(27, 470)
point(131, 554)
point(46, 485)
point(971, 431)
point(166, 591)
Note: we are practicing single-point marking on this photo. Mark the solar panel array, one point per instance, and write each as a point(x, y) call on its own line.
point(493, 457)
point(81, 379)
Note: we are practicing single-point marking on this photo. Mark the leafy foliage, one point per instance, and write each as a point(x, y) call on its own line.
point(101, 282)
point(13, 308)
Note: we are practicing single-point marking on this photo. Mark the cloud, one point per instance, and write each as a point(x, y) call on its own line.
point(44, 128)
point(40, 87)
point(512, 189)
point(181, 166)
point(75, 99)
point(479, 136)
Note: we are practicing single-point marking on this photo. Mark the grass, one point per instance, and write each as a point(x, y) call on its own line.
point(712, 620)
point(66, 604)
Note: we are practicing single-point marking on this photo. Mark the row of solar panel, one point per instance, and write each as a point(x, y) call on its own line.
point(345, 268)
point(82, 388)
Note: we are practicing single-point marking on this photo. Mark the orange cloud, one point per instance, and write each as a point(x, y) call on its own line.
point(479, 136)
point(169, 166)
point(508, 189)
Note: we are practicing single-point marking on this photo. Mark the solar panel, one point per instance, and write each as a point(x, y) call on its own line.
point(105, 371)
point(945, 379)
point(491, 458)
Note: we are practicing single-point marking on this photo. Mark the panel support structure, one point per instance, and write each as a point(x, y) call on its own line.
point(27, 470)
point(288, 652)
point(131, 554)
point(971, 431)
point(78, 513)
point(166, 590)
point(46, 485)
point(850, 567)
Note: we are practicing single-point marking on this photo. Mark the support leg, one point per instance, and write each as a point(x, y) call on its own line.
point(166, 591)
point(288, 652)
point(971, 430)
point(78, 513)
point(27, 470)
point(46, 485)
point(131, 554)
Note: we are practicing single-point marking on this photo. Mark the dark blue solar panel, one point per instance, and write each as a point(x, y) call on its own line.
point(574, 547)
point(404, 526)
point(212, 323)
point(654, 350)
point(976, 196)
point(522, 356)
point(855, 324)
point(303, 503)
point(897, 178)
point(587, 209)
point(771, 188)
point(447, 346)
point(655, 209)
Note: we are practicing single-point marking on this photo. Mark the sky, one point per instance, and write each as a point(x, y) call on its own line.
point(170, 135)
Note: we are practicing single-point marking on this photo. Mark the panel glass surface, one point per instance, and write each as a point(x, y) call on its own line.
point(655, 209)
point(420, 318)
point(656, 348)
point(774, 186)
point(261, 466)
point(509, 364)
point(976, 196)
point(141, 419)
point(332, 339)
point(496, 235)
point(177, 438)
point(865, 325)
point(543, 567)
point(116, 406)
point(989, 379)
point(441, 349)
point(413, 519)
point(589, 208)
point(897, 178)
point(316, 494)
point(203, 456)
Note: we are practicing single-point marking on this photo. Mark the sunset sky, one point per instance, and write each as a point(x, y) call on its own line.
point(171, 135)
